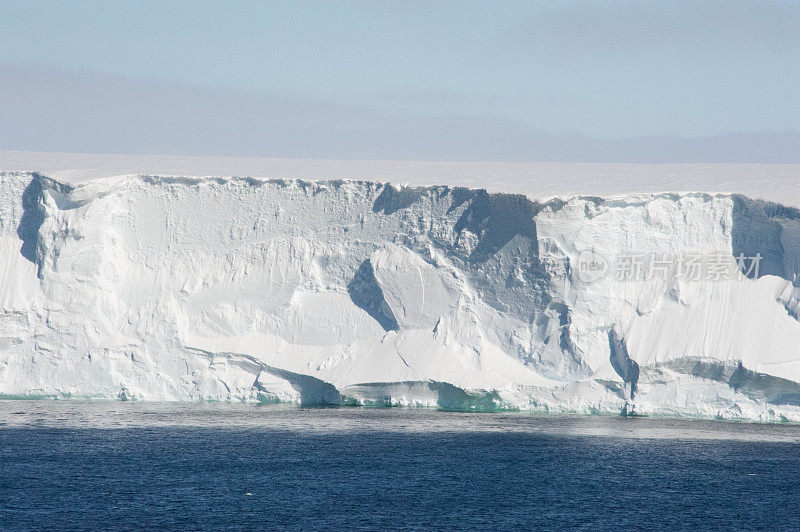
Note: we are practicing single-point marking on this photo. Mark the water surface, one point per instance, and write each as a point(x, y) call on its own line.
point(93, 465)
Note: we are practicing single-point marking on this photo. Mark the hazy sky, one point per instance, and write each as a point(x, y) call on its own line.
point(516, 72)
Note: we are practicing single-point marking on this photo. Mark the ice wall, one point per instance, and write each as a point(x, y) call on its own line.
point(350, 292)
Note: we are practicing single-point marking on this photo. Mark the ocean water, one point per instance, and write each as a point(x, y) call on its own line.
point(110, 465)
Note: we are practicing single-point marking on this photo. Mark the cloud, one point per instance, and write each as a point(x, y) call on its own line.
point(593, 27)
point(49, 109)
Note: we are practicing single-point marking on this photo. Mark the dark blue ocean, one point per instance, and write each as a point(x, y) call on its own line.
point(73, 465)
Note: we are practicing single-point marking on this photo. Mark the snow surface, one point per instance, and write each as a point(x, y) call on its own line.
point(128, 284)
point(539, 181)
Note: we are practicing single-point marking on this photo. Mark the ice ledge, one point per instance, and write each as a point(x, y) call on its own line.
point(80, 191)
point(539, 181)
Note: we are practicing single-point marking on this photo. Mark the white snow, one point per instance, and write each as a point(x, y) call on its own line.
point(539, 181)
point(123, 279)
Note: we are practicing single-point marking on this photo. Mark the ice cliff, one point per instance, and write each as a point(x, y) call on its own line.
point(355, 292)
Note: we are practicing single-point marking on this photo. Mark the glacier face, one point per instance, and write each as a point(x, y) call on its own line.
point(356, 292)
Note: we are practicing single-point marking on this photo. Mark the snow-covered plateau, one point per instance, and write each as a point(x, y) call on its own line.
point(360, 292)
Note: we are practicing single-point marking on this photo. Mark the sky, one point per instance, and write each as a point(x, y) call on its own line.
point(612, 81)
